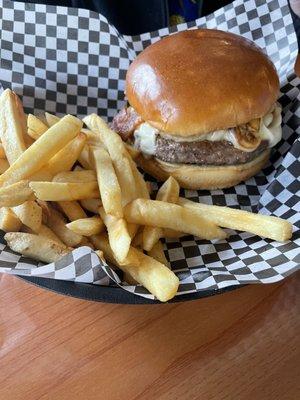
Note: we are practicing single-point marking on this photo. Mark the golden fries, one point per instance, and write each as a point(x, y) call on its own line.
point(58, 191)
point(67, 156)
point(15, 194)
point(169, 192)
point(91, 205)
point(46, 211)
point(76, 176)
point(57, 224)
point(63, 161)
point(72, 209)
point(51, 119)
point(153, 275)
point(171, 216)
point(261, 225)
point(36, 247)
point(2, 152)
point(142, 190)
point(49, 234)
point(84, 158)
point(35, 127)
point(9, 222)
point(41, 151)
point(4, 165)
point(30, 214)
point(109, 187)
point(43, 231)
point(171, 234)
point(12, 125)
point(157, 252)
point(87, 226)
point(119, 238)
point(118, 154)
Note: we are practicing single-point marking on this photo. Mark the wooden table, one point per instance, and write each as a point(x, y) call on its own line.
point(240, 345)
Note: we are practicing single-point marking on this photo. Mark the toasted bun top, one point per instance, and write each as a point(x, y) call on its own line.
point(201, 80)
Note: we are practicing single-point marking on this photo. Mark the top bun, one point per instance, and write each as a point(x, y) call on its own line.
point(201, 80)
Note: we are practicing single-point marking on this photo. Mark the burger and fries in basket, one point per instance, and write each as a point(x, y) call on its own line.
point(200, 119)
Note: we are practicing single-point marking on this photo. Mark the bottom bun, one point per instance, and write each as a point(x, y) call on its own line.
point(203, 177)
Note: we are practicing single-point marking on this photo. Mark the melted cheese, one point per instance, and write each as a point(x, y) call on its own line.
point(270, 130)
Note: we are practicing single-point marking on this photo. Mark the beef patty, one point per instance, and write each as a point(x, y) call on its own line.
point(203, 152)
point(199, 152)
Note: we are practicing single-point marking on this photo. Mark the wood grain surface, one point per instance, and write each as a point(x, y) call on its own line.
point(240, 345)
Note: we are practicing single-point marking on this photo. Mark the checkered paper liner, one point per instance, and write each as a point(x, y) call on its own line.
point(66, 60)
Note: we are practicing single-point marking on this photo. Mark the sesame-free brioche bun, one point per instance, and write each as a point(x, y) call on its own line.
point(199, 81)
point(204, 177)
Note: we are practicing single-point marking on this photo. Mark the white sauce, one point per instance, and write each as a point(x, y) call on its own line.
point(144, 138)
point(270, 130)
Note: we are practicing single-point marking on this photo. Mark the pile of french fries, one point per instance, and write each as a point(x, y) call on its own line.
point(65, 185)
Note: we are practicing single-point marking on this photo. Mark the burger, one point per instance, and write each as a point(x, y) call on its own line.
point(202, 108)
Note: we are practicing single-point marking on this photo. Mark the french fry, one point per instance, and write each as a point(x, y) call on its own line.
point(118, 154)
point(2, 152)
point(41, 151)
point(36, 247)
point(108, 184)
point(171, 234)
point(28, 140)
point(119, 238)
point(43, 231)
point(141, 186)
point(67, 156)
point(30, 214)
point(171, 216)
point(91, 205)
point(137, 241)
point(93, 138)
point(101, 243)
point(84, 158)
point(262, 225)
point(35, 127)
point(62, 161)
point(4, 165)
point(87, 226)
point(12, 125)
point(168, 192)
point(51, 119)
point(156, 277)
point(46, 211)
point(58, 191)
point(72, 209)
point(157, 252)
point(57, 224)
point(15, 194)
point(132, 151)
point(9, 222)
point(132, 229)
point(76, 176)
point(49, 234)
point(41, 116)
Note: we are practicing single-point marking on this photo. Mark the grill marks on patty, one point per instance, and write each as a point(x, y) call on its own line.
point(198, 152)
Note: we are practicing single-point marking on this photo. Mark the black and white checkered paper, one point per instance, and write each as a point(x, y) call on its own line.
point(66, 60)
